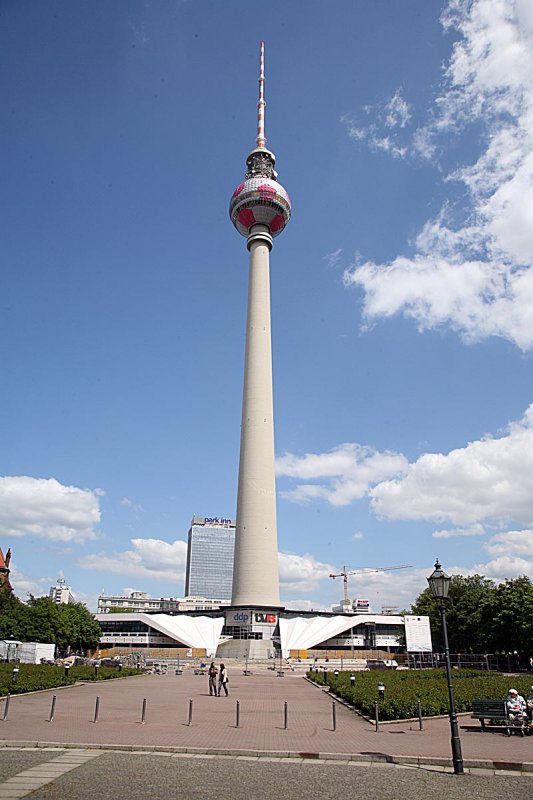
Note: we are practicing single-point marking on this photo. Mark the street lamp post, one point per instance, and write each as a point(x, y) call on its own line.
point(439, 583)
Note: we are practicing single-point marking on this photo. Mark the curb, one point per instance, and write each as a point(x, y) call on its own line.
point(472, 766)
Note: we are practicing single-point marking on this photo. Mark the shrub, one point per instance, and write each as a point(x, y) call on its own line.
point(32, 677)
point(403, 690)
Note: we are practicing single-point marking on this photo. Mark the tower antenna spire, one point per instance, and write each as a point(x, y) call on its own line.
point(261, 140)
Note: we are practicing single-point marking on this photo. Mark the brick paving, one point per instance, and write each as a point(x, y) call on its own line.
point(261, 696)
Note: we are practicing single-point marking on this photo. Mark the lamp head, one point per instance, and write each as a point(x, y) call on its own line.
point(439, 582)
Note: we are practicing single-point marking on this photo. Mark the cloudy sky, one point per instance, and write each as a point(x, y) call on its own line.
point(402, 290)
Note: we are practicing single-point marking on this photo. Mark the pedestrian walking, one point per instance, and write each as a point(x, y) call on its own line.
point(213, 672)
point(223, 680)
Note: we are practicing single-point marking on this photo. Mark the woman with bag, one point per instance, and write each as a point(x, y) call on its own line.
point(223, 680)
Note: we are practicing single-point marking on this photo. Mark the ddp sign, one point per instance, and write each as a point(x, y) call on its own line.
point(247, 617)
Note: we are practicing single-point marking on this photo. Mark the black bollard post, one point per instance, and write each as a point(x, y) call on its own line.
point(285, 715)
point(190, 713)
point(143, 712)
point(352, 680)
point(15, 674)
point(6, 707)
point(52, 709)
point(96, 668)
point(96, 709)
point(420, 724)
point(376, 713)
point(237, 714)
point(334, 712)
point(67, 667)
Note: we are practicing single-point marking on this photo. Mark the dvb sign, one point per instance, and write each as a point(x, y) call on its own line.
point(270, 619)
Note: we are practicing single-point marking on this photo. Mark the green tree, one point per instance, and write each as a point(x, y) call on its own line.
point(41, 620)
point(86, 631)
point(466, 614)
point(13, 617)
point(508, 617)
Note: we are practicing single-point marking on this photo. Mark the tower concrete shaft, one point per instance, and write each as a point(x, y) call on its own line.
point(255, 568)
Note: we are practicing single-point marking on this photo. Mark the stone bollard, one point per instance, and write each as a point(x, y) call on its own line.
point(52, 709)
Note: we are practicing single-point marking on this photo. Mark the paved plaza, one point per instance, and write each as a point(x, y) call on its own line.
point(213, 738)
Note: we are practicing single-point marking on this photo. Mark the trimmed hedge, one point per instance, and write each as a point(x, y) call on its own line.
point(33, 677)
point(404, 688)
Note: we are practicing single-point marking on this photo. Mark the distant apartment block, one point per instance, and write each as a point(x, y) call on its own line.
point(142, 602)
point(60, 593)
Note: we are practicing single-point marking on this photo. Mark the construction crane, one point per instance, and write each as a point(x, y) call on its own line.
point(344, 574)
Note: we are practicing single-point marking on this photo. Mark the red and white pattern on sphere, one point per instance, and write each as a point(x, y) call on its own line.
point(260, 201)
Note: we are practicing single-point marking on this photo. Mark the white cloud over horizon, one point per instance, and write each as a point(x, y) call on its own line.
point(24, 585)
point(148, 558)
point(488, 480)
point(301, 573)
point(45, 508)
point(351, 470)
point(472, 530)
point(475, 276)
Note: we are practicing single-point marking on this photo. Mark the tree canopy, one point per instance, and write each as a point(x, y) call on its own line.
point(41, 620)
point(482, 616)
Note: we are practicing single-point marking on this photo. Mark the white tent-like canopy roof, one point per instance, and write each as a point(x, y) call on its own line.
point(302, 633)
point(192, 631)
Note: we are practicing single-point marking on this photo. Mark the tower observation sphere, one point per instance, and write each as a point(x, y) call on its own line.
point(260, 200)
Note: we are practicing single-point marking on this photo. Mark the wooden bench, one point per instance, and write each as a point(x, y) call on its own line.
point(494, 711)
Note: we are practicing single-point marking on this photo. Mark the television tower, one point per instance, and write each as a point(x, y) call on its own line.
point(259, 208)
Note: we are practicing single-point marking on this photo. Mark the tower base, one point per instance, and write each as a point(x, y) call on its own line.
point(252, 649)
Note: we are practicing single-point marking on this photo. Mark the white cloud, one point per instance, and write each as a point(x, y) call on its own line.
point(489, 479)
point(44, 508)
point(350, 470)
point(301, 573)
point(510, 555)
point(473, 530)
point(393, 113)
point(397, 111)
point(477, 276)
point(148, 558)
point(358, 535)
point(24, 585)
point(332, 259)
point(516, 543)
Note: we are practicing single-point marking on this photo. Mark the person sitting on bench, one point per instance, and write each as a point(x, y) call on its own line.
point(516, 706)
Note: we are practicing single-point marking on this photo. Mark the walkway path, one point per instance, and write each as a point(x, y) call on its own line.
point(261, 731)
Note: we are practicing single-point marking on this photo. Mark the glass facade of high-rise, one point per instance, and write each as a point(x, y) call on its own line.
point(211, 544)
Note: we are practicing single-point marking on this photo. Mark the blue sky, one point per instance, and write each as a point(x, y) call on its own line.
point(402, 289)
